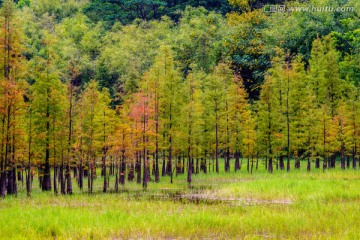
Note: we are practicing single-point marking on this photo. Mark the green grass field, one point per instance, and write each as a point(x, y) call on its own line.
point(295, 205)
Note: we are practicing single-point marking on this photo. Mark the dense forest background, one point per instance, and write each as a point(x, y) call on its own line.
point(177, 85)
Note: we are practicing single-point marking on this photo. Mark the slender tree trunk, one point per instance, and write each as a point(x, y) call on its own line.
point(46, 181)
point(354, 161)
point(89, 173)
point(170, 145)
point(266, 162)
point(68, 179)
point(248, 165)
point(157, 171)
point(81, 168)
point(257, 162)
point(217, 139)
point(116, 187)
point(342, 156)
point(67, 173)
point(138, 168)
point(227, 158)
point(163, 172)
point(355, 140)
point(61, 174)
point(270, 167)
point(252, 164)
point(145, 177)
point(123, 170)
point(237, 161)
point(183, 165)
point(131, 175)
point(104, 170)
point(317, 163)
point(281, 159)
point(55, 176)
point(122, 166)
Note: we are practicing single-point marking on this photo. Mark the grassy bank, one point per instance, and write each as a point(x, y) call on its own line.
point(295, 205)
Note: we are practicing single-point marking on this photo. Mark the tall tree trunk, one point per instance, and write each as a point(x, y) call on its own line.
point(317, 163)
point(46, 181)
point(157, 171)
point(116, 187)
point(55, 183)
point(227, 158)
point(281, 159)
point(217, 139)
point(270, 167)
point(252, 164)
point(237, 161)
point(68, 174)
point(163, 172)
point(131, 174)
point(104, 170)
point(145, 177)
point(55, 165)
point(257, 162)
point(81, 168)
point(354, 161)
point(342, 156)
point(170, 145)
point(183, 165)
point(122, 167)
point(28, 172)
point(138, 168)
point(68, 179)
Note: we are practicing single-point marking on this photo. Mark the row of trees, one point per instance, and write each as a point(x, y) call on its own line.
point(181, 109)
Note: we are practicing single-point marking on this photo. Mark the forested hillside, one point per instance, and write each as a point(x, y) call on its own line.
point(144, 89)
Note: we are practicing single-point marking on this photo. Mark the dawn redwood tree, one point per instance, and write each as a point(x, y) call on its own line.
point(170, 101)
point(353, 112)
point(12, 89)
point(297, 110)
point(191, 119)
point(249, 139)
point(311, 121)
point(324, 73)
point(267, 122)
point(345, 133)
point(327, 141)
point(215, 102)
point(142, 116)
point(121, 148)
point(280, 74)
point(106, 119)
point(239, 113)
point(48, 109)
point(48, 99)
point(153, 87)
point(91, 128)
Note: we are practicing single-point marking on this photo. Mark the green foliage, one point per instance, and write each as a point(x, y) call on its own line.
point(162, 79)
point(125, 11)
point(199, 38)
